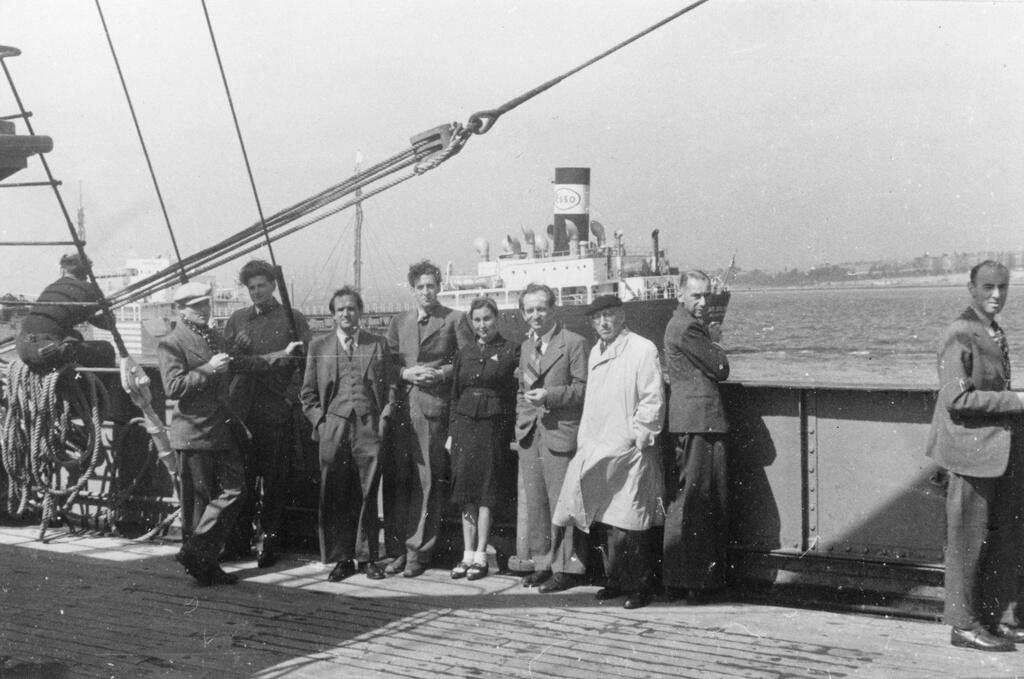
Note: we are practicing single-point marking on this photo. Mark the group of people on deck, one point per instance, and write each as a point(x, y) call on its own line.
point(445, 410)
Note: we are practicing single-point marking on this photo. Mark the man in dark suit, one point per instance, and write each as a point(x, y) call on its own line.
point(194, 367)
point(696, 522)
point(265, 403)
point(975, 434)
point(348, 391)
point(423, 342)
point(552, 381)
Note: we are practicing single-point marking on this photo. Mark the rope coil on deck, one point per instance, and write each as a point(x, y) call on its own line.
point(38, 437)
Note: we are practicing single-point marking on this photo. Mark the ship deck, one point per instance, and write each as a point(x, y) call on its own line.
point(81, 605)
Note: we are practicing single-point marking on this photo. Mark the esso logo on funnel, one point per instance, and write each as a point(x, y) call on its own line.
point(566, 199)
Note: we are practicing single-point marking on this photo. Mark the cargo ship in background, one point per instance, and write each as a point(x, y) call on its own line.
point(575, 257)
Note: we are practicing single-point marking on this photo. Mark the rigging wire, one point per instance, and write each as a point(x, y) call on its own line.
point(482, 121)
point(142, 142)
point(428, 151)
point(327, 260)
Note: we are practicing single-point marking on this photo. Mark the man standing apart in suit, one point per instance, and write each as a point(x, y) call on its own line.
point(348, 391)
point(423, 342)
point(975, 434)
point(696, 522)
point(264, 402)
point(552, 381)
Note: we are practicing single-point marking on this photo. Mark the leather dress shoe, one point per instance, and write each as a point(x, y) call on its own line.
point(413, 569)
point(536, 578)
point(196, 567)
point(637, 599)
point(396, 566)
point(559, 582)
point(265, 558)
point(217, 576)
point(476, 571)
point(606, 593)
point(1011, 632)
point(373, 571)
point(342, 570)
point(979, 639)
point(190, 560)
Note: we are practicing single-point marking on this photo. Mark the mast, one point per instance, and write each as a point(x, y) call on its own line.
point(357, 264)
point(81, 215)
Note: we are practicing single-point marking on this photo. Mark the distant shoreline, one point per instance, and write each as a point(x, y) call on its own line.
point(943, 281)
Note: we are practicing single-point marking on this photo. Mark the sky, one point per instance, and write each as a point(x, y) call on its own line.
point(791, 132)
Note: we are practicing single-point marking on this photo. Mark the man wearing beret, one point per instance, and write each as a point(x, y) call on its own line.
point(195, 368)
point(616, 477)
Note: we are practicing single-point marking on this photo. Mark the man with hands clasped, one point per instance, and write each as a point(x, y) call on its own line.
point(423, 343)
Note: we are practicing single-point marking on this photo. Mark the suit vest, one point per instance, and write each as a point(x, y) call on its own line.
point(352, 394)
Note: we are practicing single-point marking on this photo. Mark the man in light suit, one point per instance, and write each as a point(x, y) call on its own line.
point(423, 342)
point(347, 392)
point(975, 434)
point(552, 382)
point(696, 521)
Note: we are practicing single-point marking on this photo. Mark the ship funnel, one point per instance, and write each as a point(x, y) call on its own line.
point(655, 253)
point(597, 232)
point(572, 206)
point(483, 248)
point(511, 245)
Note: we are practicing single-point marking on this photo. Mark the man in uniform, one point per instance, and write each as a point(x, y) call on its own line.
point(348, 391)
point(553, 378)
point(194, 367)
point(264, 402)
point(696, 522)
point(975, 434)
point(616, 477)
point(47, 338)
point(423, 342)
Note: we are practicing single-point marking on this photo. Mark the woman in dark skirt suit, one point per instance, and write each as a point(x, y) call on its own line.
point(481, 427)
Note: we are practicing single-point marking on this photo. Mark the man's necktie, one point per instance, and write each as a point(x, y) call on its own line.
point(348, 345)
point(531, 375)
point(1000, 337)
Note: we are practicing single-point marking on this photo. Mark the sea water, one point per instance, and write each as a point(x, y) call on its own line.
point(883, 336)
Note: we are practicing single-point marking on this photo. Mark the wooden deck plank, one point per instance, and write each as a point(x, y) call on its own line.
point(111, 608)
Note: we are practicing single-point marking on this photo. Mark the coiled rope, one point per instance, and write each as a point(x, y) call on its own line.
point(40, 437)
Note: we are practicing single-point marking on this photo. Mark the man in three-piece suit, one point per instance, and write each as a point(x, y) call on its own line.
point(975, 434)
point(347, 392)
point(696, 521)
point(423, 343)
point(552, 382)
